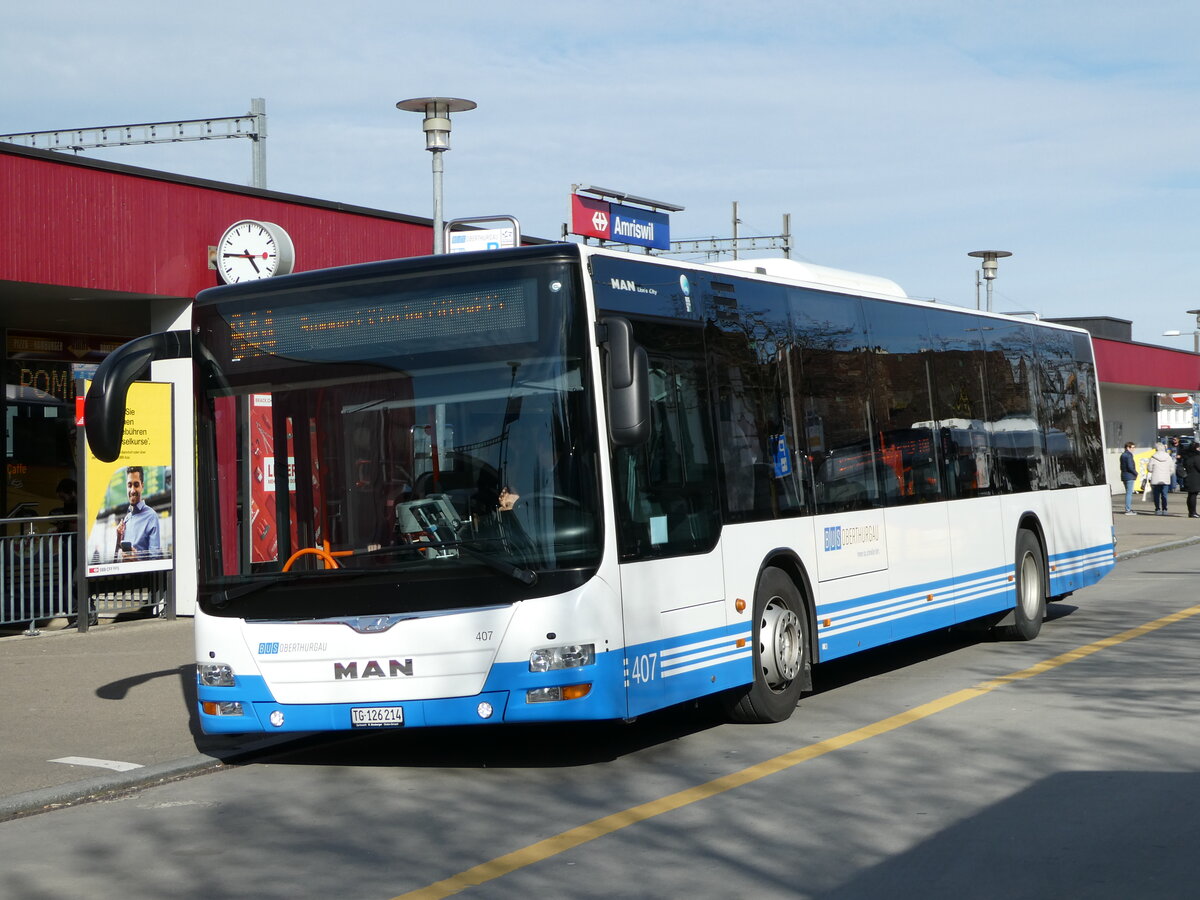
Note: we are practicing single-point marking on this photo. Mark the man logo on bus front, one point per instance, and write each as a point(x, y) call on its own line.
point(372, 669)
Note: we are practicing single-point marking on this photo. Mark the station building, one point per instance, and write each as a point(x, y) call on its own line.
point(96, 253)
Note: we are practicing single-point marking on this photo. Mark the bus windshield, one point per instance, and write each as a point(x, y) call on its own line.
point(403, 430)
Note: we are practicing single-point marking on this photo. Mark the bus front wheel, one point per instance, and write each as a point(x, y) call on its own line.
point(780, 638)
point(1029, 573)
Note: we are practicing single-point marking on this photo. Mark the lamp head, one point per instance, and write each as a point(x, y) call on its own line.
point(437, 118)
point(989, 257)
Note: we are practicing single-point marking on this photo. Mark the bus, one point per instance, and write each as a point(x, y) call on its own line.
point(564, 482)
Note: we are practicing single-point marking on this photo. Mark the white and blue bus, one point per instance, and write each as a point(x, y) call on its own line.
point(564, 483)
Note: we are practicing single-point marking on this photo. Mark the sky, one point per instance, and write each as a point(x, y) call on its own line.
point(899, 136)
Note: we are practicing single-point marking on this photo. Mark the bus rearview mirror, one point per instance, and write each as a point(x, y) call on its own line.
point(628, 371)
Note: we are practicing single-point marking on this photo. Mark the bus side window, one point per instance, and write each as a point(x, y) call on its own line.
point(840, 433)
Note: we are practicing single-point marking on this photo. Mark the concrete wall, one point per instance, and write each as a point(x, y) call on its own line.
point(1128, 415)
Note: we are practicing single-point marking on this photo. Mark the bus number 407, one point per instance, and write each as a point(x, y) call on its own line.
point(642, 667)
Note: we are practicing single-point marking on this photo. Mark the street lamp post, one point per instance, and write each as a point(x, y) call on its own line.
point(990, 268)
point(1174, 332)
point(1196, 350)
point(437, 141)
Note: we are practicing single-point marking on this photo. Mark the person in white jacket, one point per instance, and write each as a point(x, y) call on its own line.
point(1160, 468)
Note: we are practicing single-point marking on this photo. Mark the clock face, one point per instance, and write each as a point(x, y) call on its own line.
point(250, 250)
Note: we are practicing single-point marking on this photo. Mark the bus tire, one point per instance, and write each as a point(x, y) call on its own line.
point(1029, 571)
point(780, 637)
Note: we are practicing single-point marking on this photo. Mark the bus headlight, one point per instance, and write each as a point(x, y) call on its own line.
point(569, 656)
point(215, 674)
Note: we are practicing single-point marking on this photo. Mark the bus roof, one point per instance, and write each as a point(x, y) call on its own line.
point(794, 270)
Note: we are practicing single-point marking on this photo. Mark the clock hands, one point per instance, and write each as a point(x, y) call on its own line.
point(246, 254)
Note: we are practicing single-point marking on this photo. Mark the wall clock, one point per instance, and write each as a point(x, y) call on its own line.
point(250, 250)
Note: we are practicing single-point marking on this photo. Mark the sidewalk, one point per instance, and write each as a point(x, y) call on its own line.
point(1146, 532)
point(117, 700)
point(120, 698)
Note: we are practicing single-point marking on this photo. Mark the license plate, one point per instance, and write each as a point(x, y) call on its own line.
point(376, 716)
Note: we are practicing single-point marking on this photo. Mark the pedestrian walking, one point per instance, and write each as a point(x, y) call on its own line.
point(1161, 469)
point(1191, 477)
point(1128, 476)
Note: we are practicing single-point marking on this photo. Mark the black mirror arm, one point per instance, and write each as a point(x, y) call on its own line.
point(104, 406)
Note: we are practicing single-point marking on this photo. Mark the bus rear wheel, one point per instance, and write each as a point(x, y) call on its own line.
point(780, 638)
point(1030, 576)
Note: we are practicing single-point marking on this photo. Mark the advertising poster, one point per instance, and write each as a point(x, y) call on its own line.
point(128, 502)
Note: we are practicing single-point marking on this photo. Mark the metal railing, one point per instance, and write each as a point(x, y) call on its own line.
point(39, 580)
point(37, 570)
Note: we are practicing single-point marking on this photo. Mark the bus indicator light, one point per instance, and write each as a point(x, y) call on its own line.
point(222, 708)
point(550, 694)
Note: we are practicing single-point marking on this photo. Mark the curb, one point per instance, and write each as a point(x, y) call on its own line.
point(1170, 545)
point(97, 788)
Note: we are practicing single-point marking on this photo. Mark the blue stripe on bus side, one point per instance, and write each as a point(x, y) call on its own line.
point(858, 623)
point(871, 620)
point(672, 670)
point(1079, 568)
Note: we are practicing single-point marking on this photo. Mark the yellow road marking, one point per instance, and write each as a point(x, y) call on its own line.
point(574, 837)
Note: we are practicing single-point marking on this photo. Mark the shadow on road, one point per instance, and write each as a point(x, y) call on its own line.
point(587, 743)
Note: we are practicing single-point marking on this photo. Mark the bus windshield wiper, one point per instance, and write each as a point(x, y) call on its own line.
point(523, 574)
point(273, 579)
point(228, 595)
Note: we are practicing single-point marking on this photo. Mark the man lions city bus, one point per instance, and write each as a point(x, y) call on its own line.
point(564, 483)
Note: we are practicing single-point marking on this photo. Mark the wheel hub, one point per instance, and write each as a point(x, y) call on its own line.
point(782, 649)
point(1031, 586)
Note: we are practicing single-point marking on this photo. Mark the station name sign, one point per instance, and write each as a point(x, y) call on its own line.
point(615, 222)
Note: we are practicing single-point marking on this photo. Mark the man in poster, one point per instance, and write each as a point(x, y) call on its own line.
point(137, 533)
